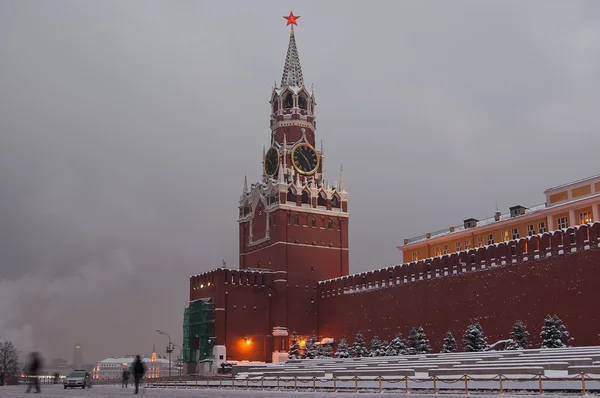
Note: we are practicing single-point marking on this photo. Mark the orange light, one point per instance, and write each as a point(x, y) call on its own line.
point(248, 342)
point(302, 343)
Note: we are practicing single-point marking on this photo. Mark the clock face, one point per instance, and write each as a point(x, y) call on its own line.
point(271, 161)
point(305, 159)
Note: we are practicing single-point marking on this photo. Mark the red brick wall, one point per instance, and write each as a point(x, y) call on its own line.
point(566, 283)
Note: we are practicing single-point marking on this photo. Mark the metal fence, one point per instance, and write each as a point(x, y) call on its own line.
point(575, 384)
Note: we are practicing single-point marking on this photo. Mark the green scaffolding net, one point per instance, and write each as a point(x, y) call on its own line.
point(198, 331)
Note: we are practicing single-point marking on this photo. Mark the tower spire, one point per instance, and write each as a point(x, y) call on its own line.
point(292, 71)
point(342, 185)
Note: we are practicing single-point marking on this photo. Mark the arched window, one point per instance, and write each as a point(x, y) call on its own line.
point(305, 197)
point(335, 201)
point(288, 101)
point(302, 102)
point(291, 195)
point(322, 199)
point(296, 220)
point(330, 225)
point(275, 104)
point(314, 223)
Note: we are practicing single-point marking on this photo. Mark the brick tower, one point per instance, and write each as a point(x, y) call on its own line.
point(294, 222)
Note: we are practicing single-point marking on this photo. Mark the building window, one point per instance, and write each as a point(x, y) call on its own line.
point(542, 227)
point(480, 241)
point(296, 220)
point(562, 222)
point(505, 236)
point(458, 247)
point(415, 256)
point(314, 223)
point(467, 244)
point(490, 239)
point(515, 233)
point(585, 217)
point(436, 251)
point(330, 225)
point(530, 230)
point(445, 249)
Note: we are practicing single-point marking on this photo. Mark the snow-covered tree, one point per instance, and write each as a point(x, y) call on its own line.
point(9, 361)
point(342, 349)
point(384, 347)
point(325, 351)
point(312, 349)
point(422, 346)
point(397, 346)
point(376, 346)
point(554, 333)
point(519, 337)
point(474, 339)
point(294, 351)
point(359, 348)
point(449, 343)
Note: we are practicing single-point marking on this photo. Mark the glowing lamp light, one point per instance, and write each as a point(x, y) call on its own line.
point(248, 342)
point(302, 343)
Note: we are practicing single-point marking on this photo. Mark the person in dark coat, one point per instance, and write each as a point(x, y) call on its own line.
point(34, 365)
point(139, 370)
point(125, 378)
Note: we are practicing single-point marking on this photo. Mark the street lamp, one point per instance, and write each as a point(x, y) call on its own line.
point(169, 349)
point(179, 366)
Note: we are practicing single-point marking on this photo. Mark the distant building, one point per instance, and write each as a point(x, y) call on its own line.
point(112, 368)
point(77, 357)
point(566, 206)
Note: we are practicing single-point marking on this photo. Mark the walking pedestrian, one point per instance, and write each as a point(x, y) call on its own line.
point(139, 370)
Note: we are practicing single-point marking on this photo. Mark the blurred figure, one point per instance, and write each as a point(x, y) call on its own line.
point(33, 368)
point(139, 369)
point(125, 378)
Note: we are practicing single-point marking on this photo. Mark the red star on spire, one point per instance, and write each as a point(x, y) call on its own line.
point(291, 19)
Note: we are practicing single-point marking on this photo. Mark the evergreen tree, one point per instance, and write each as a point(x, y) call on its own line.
point(9, 361)
point(422, 346)
point(397, 346)
point(519, 337)
point(325, 351)
point(342, 349)
point(554, 333)
point(375, 346)
point(294, 351)
point(359, 348)
point(449, 343)
point(474, 340)
point(384, 347)
point(412, 342)
point(312, 349)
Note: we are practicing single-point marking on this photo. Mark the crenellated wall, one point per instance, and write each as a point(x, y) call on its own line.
point(244, 307)
point(521, 279)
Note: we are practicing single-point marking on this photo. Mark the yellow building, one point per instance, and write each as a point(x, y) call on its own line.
point(566, 206)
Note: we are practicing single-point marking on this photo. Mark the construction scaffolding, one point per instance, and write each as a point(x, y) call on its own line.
point(198, 331)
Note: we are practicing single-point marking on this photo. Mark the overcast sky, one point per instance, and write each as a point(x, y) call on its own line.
point(127, 128)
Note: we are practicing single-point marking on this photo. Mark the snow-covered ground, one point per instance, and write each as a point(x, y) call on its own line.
point(111, 391)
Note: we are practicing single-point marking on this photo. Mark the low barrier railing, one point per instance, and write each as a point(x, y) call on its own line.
point(581, 383)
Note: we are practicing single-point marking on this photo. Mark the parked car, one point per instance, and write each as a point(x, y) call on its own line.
point(78, 378)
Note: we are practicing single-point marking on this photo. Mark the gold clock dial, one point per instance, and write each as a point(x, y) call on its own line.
point(305, 159)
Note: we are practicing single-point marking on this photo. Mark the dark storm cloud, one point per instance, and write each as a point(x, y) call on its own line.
point(127, 128)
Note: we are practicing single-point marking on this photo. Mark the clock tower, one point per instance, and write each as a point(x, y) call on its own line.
point(294, 222)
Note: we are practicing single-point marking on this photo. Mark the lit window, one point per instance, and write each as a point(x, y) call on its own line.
point(467, 244)
point(542, 227)
point(515, 233)
point(415, 256)
point(458, 247)
point(585, 217)
point(562, 222)
point(531, 230)
point(480, 241)
point(445, 249)
point(505, 237)
point(437, 251)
